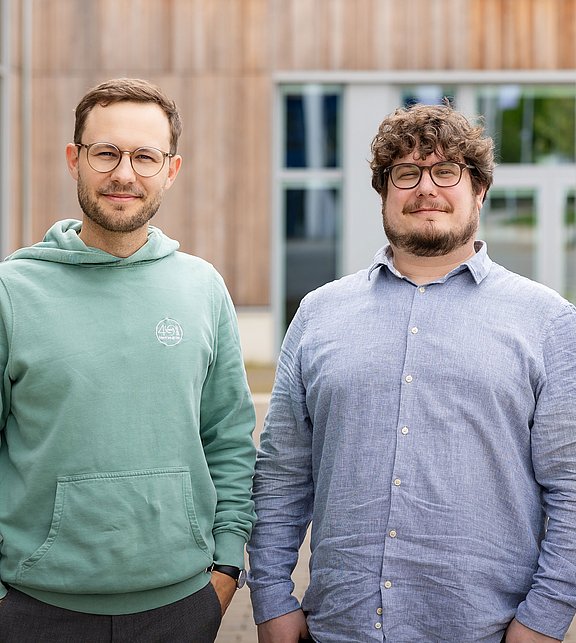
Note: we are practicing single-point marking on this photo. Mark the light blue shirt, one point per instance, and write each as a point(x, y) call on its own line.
point(427, 432)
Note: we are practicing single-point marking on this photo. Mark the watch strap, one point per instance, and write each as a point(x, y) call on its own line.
point(229, 570)
point(237, 574)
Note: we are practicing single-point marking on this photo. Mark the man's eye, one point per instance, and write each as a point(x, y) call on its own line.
point(146, 155)
point(446, 170)
point(407, 174)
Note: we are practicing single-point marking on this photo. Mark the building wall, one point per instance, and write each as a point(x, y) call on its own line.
point(218, 59)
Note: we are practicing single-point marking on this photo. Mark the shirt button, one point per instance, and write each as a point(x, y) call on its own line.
point(421, 289)
point(404, 430)
point(397, 482)
point(387, 584)
point(409, 378)
point(392, 533)
point(414, 330)
point(378, 625)
point(379, 611)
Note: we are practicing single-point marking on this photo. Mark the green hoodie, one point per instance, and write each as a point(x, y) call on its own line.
point(126, 456)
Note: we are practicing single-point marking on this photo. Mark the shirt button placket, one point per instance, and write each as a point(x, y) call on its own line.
point(408, 377)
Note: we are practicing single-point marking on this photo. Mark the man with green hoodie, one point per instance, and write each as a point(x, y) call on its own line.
point(126, 455)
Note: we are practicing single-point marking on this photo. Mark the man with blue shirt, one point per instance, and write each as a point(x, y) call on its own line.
point(423, 419)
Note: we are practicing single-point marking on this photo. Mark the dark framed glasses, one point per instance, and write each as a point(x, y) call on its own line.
point(444, 174)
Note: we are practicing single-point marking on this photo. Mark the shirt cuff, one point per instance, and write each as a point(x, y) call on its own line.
point(271, 602)
point(544, 615)
point(229, 549)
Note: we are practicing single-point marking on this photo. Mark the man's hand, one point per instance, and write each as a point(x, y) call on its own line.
point(288, 628)
point(224, 586)
point(518, 633)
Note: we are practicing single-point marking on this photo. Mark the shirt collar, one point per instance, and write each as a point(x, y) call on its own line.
point(478, 265)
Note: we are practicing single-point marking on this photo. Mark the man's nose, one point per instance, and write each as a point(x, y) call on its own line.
point(124, 171)
point(426, 185)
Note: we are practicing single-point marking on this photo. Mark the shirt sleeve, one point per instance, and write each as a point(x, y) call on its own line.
point(550, 605)
point(283, 487)
point(227, 420)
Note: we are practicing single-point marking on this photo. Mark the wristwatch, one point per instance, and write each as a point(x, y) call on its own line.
point(239, 575)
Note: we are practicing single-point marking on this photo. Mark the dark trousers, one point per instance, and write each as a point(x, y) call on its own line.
point(194, 619)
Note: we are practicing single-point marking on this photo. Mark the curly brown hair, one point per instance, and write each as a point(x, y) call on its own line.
point(428, 129)
point(133, 90)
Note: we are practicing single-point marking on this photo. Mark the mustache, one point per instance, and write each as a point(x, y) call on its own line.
point(115, 188)
point(422, 204)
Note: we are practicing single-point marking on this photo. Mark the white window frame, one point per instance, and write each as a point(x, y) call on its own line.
point(284, 177)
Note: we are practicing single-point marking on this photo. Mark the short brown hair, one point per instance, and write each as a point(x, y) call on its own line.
point(130, 90)
point(429, 129)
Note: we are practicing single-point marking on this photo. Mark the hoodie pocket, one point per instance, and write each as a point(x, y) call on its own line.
point(120, 532)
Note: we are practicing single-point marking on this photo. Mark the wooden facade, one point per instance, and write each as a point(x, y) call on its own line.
point(218, 59)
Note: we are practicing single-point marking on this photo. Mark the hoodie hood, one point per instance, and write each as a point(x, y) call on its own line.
point(63, 245)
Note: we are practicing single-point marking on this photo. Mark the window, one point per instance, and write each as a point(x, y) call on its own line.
point(311, 129)
point(531, 124)
point(508, 225)
point(311, 185)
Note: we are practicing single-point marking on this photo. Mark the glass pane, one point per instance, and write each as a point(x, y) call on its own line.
point(531, 124)
point(427, 95)
point(508, 225)
point(311, 127)
point(311, 215)
point(570, 236)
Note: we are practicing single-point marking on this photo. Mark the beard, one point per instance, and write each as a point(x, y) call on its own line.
point(106, 220)
point(429, 241)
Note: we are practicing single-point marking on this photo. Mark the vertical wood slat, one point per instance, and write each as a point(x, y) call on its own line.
point(460, 27)
point(545, 35)
point(566, 28)
point(252, 230)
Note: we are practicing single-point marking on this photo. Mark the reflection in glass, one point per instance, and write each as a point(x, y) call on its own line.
point(570, 236)
point(508, 225)
point(427, 95)
point(531, 124)
point(311, 127)
point(311, 216)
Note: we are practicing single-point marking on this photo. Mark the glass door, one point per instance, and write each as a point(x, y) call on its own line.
point(528, 223)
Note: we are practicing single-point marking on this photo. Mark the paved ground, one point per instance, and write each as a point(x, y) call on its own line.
point(238, 626)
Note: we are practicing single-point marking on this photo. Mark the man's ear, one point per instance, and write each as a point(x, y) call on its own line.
point(481, 197)
point(173, 169)
point(72, 158)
